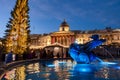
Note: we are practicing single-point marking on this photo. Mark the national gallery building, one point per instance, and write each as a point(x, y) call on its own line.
point(64, 37)
point(60, 41)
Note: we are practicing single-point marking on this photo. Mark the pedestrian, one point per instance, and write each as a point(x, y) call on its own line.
point(9, 57)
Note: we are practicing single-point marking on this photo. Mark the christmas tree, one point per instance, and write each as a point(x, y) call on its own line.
point(17, 32)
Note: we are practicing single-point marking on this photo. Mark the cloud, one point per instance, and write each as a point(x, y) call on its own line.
point(91, 10)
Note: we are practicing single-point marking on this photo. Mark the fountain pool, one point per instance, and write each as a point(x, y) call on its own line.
point(65, 69)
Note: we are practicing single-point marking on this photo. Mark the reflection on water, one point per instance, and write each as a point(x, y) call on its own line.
point(20, 73)
point(64, 70)
point(10, 75)
point(15, 74)
point(32, 68)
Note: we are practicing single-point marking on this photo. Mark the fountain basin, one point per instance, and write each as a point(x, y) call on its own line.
point(65, 69)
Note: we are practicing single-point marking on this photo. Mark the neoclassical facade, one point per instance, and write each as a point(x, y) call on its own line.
point(64, 37)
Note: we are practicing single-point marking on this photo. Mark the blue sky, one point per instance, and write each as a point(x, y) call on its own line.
point(47, 15)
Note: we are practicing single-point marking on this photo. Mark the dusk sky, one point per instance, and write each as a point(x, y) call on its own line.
point(47, 15)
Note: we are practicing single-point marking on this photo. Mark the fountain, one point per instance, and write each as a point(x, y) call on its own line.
point(69, 69)
point(82, 53)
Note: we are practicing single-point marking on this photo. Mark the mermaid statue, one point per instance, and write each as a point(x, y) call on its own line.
point(83, 53)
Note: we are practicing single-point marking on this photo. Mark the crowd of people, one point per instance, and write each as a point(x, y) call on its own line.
point(31, 54)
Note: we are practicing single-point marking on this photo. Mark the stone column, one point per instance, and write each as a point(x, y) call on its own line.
point(57, 39)
point(53, 39)
point(67, 40)
point(63, 40)
point(60, 39)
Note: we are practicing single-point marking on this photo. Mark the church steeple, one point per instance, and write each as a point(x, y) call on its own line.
point(64, 26)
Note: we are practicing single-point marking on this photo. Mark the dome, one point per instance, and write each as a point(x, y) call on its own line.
point(64, 24)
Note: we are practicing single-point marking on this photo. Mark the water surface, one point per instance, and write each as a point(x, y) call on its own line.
point(65, 70)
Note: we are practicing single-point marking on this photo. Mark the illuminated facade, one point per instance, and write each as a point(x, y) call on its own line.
point(64, 37)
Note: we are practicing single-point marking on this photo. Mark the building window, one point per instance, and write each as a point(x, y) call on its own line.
point(62, 29)
point(115, 38)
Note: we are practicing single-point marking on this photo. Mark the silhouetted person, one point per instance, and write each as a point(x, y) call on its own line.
point(58, 55)
point(9, 57)
point(44, 54)
point(3, 57)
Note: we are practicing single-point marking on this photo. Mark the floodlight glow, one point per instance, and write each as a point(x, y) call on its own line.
point(61, 62)
point(51, 65)
point(108, 63)
point(117, 67)
point(76, 41)
point(85, 68)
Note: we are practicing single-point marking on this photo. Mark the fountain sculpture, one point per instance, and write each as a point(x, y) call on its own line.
point(82, 53)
